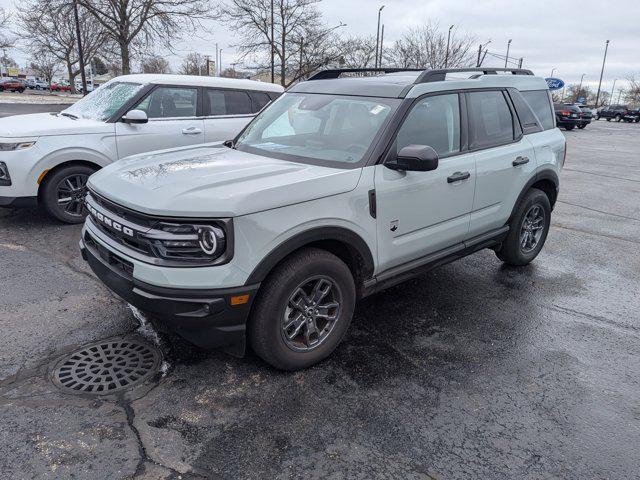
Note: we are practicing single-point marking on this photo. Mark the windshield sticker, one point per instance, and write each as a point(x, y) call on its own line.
point(377, 109)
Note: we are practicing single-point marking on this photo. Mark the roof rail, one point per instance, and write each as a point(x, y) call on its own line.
point(336, 72)
point(440, 75)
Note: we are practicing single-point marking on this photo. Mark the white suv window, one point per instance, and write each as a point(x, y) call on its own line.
point(433, 121)
point(170, 102)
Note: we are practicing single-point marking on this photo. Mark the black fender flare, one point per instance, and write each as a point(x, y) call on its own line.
point(544, 174)
point(349, 238)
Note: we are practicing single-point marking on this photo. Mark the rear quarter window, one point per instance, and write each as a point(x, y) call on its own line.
point(540, 103)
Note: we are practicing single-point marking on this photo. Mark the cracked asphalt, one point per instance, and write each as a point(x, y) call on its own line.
point(475, 370)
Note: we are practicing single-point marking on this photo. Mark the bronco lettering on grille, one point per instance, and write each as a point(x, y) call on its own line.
point(109, 222)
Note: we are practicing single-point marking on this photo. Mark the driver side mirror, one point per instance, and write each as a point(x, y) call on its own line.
point(135, 117)
point(415, 158)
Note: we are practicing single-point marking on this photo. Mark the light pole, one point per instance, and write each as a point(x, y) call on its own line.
point(580, 87)
point(506, 59)
point(446, 57)
point(378, 35)
point(220, 66)
point(553, 70)
point(480, 57)
point(612, 90)
point(273, 47)
point(606, 48)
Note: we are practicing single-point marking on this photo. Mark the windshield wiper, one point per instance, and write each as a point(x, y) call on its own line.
point(70, 115)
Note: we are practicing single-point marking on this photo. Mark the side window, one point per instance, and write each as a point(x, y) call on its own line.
point(433, 121)
point(259, 100)
point(490, 119)
point(539, 102)
point(228, 102)
point(528, 120)
point(170, 102)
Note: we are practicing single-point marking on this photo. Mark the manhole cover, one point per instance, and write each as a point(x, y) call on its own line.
point(107, 367)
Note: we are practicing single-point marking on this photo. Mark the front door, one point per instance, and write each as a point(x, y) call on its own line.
point(173, 122)
point(419, 213)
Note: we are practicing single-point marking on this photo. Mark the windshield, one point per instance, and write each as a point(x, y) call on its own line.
point(326, 128)
point(104, 101)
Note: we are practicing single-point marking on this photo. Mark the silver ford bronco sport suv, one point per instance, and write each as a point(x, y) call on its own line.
point(340, 188)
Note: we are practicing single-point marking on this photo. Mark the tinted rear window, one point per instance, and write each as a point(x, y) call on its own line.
point(228, 102)
point(539, 102)
point(491, 119)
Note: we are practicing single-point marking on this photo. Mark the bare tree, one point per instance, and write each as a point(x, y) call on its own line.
point(632, 95)
point(49, 27)
point(301, 42)
point(426, 47)
point(131, 22)
point(575, 91)
point(45, 65)
point(155, 64)
point(5, 19)
point(357, 52)
point(193, 64)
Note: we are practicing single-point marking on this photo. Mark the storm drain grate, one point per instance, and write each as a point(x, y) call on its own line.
point(107, 367)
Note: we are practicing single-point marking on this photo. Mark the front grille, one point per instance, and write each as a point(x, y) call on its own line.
point(108, 256)
point(155, 240)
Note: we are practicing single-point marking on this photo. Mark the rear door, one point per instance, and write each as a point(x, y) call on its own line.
point(227, 112)
point(504, 157)
point(174, 121)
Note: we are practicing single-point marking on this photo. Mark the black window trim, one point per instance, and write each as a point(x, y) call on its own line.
point(529, 128)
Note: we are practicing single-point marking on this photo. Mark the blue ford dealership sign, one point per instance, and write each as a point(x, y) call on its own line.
point(554, 83)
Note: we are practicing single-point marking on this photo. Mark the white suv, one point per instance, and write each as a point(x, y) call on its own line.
point(340, 188)
point(47, 158)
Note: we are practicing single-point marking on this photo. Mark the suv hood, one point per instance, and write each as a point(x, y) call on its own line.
point(46, 124)
point(215, 181)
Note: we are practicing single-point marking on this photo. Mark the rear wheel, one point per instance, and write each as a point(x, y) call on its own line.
point(64, 191)
point(618, 118)
point(581, 126)
point(303, 310)
point(528, 229)
point(569, 127)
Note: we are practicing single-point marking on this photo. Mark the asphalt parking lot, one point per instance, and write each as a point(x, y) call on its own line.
point(475, 370)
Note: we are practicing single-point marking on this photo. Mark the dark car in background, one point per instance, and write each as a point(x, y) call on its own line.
point(616, 112)
point(633, 115)
point(567, 116)
point(11, 85)
point(586, 115)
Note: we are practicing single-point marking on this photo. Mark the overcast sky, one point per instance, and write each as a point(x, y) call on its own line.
point(569, 36)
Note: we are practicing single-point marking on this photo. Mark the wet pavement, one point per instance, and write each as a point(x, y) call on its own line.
point(475, 370)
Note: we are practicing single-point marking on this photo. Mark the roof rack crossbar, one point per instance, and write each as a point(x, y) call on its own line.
point(336, 72)
point(440, 75)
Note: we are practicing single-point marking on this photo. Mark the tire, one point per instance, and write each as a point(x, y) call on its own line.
point(273, 309)
point(618, 118)
point(512, 251)
point(608, 119)
point(581, 127)
point(569, 127)
point(1, 89)
point(68, 182)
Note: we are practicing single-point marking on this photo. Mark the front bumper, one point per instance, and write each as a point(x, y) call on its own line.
point(206, 318)
point(18, 202)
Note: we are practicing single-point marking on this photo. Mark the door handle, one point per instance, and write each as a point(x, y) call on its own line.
point(520, 161)
point(191, 131)
point(458, 177)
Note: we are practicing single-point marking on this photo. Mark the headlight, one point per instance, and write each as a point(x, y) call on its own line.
point(7, 147)
point(5, 178)
point(188, 242)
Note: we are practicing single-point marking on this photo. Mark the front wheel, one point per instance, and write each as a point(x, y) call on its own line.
point(569, 127)
point(581, 127)
point(64, 191)
point(303, 310)
point(618, 118)
point(528, 229)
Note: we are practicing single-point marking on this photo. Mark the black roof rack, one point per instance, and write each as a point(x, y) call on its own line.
point(440, 75)
point(336, 72)
point(425, 77)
